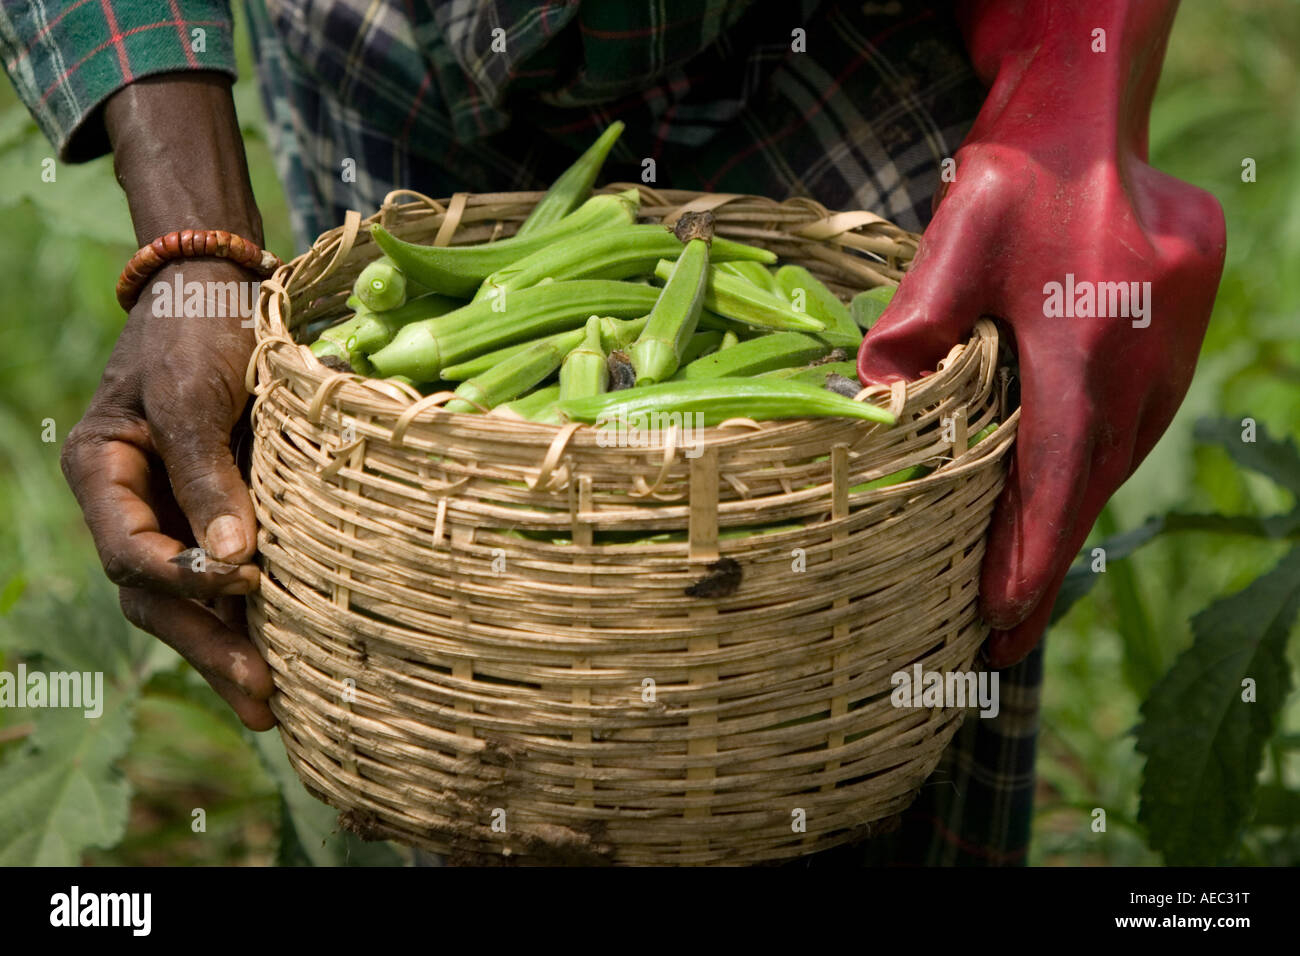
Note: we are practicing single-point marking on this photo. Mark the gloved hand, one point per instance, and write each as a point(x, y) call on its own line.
point(1053, 180)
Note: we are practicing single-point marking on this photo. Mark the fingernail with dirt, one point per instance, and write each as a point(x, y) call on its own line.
point(225, 538)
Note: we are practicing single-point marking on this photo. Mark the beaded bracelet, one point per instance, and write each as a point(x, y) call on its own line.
point(187, 243)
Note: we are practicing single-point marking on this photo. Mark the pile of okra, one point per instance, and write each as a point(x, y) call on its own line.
point(586, 313)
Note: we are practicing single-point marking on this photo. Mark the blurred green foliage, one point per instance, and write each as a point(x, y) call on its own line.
point(1229, 92)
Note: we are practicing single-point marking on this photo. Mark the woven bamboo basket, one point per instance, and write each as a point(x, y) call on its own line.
point(450, 683)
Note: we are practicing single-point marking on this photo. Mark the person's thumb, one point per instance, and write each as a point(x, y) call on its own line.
point(210, 490)
point(935, 307)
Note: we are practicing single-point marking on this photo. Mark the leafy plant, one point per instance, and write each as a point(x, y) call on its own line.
point(1208, 721)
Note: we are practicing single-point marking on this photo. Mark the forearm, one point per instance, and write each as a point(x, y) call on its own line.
point(179, 156)
point(1048, 81)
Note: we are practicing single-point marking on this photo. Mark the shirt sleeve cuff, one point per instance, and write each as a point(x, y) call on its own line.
point(67, 59)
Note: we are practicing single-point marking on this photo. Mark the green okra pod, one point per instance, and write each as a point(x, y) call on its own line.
point(421, 350)
point(536, 406)
point(729, 338)
point(716, 400)
point(615, 253)
point(712, 322)
point(470, 368)
point(584, 371)
point(753, 272)
point(352, 340)
point(509, 379)
point(739, 299)
point(657, 352)
point(814, 374)
point(615, 334)
point(460, 270)
point(380, 286)
point(572, 186)
point(619, 333)
point(868, 306)
point(368, 294)
point(701, 344)
point(806, 293)
point(896, 478)
point(753, 356)
point(919, 471)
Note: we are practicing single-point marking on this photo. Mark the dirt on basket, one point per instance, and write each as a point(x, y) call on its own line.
point(722, 580)
point(544, 844)
point(364, 823)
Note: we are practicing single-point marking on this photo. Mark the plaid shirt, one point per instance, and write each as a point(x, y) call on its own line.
point(490, 95)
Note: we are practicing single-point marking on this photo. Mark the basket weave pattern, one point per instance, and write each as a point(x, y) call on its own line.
point(453, 684)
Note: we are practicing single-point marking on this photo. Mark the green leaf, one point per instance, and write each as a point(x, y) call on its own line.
point(1079, 580)
point(1276, 458)
point(79, 630)
point(309, 830)
point(1203, 743)
point(1145, 658)
point(61, 793)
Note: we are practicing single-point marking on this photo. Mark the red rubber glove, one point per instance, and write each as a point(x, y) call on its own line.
point(1053, 179)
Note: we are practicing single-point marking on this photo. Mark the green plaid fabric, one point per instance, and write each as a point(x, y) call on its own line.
point(490, 95)
point(858, 116)
point(66, 57)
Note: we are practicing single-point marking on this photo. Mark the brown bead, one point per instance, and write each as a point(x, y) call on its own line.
point(189, 242)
